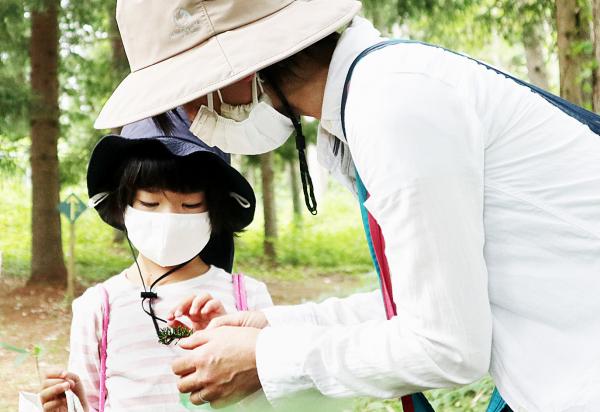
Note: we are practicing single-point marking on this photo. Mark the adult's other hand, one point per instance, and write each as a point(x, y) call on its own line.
point(251, 319)
point(220, 367)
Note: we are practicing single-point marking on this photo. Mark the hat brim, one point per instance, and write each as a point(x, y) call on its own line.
point(223, 59)
point(112, 151)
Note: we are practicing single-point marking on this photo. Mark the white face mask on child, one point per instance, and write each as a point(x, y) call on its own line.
point(167, 239)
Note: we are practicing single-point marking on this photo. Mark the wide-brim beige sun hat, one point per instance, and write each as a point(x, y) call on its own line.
point(181, 50)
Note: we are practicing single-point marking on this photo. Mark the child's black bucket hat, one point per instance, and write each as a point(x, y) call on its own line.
point(112, 151)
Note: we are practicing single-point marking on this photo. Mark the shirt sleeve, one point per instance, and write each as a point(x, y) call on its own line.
point(84, 358)
point(418, 148)
point(351, 310)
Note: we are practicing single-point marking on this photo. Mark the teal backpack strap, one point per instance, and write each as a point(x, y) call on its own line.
point(497, 404)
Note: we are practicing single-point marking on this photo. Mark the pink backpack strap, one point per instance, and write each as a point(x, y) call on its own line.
point(239, 291)
point(103, 345)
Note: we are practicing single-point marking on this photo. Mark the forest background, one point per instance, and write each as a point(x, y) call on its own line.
point(59, 62)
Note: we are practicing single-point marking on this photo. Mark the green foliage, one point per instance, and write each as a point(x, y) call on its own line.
point(474, 397)
point(469, 398)
point(14, 89)
point(167, 335)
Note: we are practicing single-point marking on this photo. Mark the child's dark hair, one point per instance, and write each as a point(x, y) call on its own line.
point(152, 167)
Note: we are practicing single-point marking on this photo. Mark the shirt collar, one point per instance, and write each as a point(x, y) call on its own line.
point(357, 37)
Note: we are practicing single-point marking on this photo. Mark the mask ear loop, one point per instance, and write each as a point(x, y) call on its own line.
point(220, 96)
point(255, 89)
point(259, 82)
point(307, 185)
point(211, 105)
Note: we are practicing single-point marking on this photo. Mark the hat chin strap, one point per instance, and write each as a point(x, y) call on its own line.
point(97, 199)
point(243, 202)
point(307, 185)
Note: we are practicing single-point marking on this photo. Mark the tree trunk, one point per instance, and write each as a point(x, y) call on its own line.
point(534, 55)
point(596, 75)
point(569, 33)
point(270, 215)
point(295, 187)
point(119, 57)
point(47, 262)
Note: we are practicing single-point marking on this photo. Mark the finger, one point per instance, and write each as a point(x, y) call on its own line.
point(56, 373)
point(73, 377)
point(212, 306)
point(199, 303)
point(55, 405)
point(175, 323)
point(198, 338)
point(182, 307)
point(232, 319)
point(51, 382)
point(190, 383)
point(183, 365)
point(199, 398)
point(54, 391)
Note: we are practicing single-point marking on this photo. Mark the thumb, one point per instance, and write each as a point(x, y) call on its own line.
point(198, 338)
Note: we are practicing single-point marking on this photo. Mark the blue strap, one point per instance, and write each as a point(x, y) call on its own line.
point(497, 404)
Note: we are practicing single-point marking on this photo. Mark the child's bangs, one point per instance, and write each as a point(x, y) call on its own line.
point(156, 169)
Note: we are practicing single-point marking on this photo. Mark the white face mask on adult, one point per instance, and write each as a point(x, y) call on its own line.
point(253, 128)
point(167, 239)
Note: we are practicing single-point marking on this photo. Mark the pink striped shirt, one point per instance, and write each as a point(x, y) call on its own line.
point(138, 372)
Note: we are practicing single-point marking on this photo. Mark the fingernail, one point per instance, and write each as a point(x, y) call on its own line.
point(178, 313)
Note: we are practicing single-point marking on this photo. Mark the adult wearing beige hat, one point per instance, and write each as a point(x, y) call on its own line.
point(484, 221)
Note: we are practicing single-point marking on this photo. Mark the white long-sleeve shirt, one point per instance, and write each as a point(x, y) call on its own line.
point(489, 201)
point(138, 367)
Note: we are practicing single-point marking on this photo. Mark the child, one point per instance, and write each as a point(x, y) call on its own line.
point(179, 203)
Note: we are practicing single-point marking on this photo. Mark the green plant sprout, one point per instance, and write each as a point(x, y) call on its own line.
point(34, 351)
point(167, 335)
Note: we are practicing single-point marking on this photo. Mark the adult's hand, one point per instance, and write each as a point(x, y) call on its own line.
point(220, 367)
point(251, 319)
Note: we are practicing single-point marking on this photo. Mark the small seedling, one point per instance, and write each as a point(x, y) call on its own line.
point(34, 350)
point(167, 335)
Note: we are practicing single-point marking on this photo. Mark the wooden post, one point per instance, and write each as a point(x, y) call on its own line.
point(71, 264)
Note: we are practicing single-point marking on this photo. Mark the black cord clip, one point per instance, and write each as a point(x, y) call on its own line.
point(148, 295)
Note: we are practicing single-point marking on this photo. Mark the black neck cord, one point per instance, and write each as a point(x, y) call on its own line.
point(307, 185)
point(149, 294)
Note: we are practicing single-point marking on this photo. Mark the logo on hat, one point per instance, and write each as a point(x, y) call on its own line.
point(185, 23)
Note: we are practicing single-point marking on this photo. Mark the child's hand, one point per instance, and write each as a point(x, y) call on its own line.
point(54, 387)
point(200, 309)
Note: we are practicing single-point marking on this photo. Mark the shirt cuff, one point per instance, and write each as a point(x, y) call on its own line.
point(280, 356)
point(288, 315)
